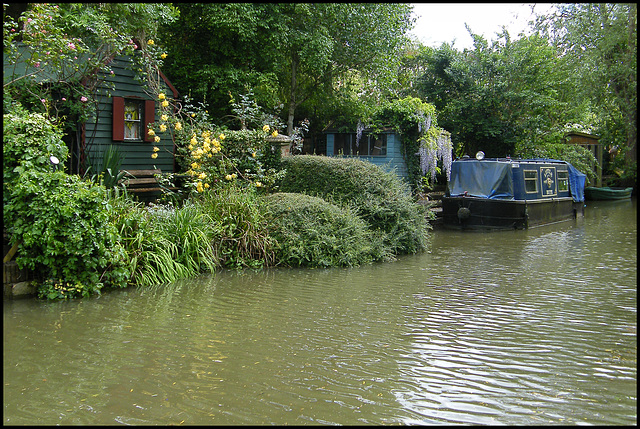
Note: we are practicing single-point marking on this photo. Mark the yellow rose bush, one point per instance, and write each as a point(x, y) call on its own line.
point(211, 157)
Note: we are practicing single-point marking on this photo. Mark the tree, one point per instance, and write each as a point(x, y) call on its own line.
point(600, 40)
point(501, 97)
point(297, 54)
point(220, 49)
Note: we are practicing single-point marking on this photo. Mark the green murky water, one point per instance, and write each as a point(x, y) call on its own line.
point(518, 328)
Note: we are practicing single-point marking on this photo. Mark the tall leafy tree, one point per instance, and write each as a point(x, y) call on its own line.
point(297, 54)
point(218, 49)
point(500, 97)
point(600, 39)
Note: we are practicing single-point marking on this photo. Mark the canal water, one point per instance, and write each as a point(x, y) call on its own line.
point(511, 328)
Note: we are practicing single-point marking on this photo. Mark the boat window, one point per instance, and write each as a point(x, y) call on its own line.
point(563, 181)
point(531, 181)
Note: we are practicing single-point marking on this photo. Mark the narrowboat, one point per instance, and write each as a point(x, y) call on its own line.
point(505, 193)
point(607, 193)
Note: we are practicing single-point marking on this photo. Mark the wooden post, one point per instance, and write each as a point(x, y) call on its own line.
point(11, 252)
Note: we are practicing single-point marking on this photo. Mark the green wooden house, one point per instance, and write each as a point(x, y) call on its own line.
point(123, 111)
point(122, 118)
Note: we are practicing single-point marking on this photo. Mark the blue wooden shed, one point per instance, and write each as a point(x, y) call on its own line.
point(382, 148)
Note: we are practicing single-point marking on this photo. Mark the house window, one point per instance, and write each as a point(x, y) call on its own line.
point(563, 181)
point(133, 120)
point(369, 145)
point(531, 181)
point(131, 117)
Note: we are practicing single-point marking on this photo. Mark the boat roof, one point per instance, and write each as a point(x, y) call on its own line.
point(492, 178)
point(516, 160)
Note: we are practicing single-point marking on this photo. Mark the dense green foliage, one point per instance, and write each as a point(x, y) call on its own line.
point(163, 243)
point(296, 57)
point(604, 61)
point(312, 232)
point(61, 223)
point(500, 97)
point(28, 141)
point(243, 238)
point(379, 197)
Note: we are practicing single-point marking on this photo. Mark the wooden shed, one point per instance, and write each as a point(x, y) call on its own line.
point(383, 149)
point(592, 143)
point(123, 110)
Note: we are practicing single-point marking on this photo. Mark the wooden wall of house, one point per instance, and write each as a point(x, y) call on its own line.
point(98, 137)
point(393, 161)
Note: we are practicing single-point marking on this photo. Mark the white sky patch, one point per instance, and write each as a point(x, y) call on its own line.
point(438, 23)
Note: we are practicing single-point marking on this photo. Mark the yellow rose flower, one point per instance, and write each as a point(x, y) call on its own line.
point(258, 184)
point(156, 148)
point(163, 128)
point(164, 117)
point(178, 126)
point(150, 42)
point(194, 165)
point(274, 134)
point(157, 139)
point(165, 103)
point(199, 187)
point(154, 155)
point(265, 128)
point(221, 136)
point(161, 96)
point(202, 176)
point(163, 56)
point(151, 133)
point(228, 177)
point(206, 185)
point(253, 154)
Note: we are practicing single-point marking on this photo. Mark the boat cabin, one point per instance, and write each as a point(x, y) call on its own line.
point(504, 193)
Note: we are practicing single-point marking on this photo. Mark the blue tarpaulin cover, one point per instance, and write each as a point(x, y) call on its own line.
point(492, 179)
point(484, 179)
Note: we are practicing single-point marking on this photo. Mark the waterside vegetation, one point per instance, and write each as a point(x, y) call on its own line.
point(239, 204)
point(82, 237)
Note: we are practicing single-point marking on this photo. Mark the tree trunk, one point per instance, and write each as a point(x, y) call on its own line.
point(292, 95)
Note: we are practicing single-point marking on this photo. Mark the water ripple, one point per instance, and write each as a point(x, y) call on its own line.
point(521, 328)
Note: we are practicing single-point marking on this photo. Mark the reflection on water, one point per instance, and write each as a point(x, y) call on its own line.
point(522, 327)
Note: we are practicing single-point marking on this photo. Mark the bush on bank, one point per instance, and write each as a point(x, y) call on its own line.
point(380, 197)
point(62, 225)
point(315, 233)
point(81, 237)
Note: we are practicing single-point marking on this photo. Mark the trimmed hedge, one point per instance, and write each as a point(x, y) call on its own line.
point(380, 197)
point(315, 233)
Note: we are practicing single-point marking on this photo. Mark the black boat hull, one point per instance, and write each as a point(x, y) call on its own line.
point(494, 214)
